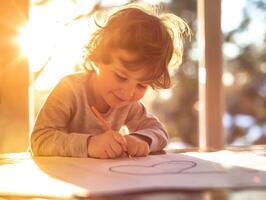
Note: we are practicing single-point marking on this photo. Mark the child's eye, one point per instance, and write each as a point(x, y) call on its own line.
point(141, 86)
point(120, 78)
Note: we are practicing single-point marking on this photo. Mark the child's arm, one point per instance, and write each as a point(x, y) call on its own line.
point(51, 135)
point(146, 127)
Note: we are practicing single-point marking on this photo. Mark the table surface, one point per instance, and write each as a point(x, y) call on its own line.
point(209, 194)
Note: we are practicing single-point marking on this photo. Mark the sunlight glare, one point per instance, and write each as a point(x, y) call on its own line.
point(202, 75)
point(165, 94)
point(41, 39)
point(233, 15)
point(154, 2)
point(107, 3)
point(27, 174)
point(23, 40)
point(228, 79)
point(55, 47)
point(230, 50)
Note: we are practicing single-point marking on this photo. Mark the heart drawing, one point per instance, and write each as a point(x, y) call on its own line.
point(167, 167)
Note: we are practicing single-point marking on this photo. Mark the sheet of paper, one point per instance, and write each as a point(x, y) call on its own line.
point(86, 176)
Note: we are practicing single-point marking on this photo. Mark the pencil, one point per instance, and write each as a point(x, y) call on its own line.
point(105, 124)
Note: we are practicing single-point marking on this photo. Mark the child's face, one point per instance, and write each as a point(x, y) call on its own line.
point(117, 85)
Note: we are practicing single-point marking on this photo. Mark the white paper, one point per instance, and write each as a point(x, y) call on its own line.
point(87, 176)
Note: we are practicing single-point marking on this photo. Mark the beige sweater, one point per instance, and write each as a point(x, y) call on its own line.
point(66, 121)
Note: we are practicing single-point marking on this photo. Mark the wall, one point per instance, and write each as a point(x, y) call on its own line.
point(13, 78)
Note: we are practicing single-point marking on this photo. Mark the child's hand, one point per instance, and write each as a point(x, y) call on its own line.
point(136, 146)
point(110, 144)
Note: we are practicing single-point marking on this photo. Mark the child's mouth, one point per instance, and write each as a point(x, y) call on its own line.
point(118, 98)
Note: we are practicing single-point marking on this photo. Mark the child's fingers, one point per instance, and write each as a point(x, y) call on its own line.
point(146, 150)
point(124, 155)
point(110, 152)
point(103, 155)
point(119, 138)
point(116, 147)
point(133, 150)
point(140, 150)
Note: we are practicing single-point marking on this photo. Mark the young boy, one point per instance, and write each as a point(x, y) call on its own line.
point(129, 54)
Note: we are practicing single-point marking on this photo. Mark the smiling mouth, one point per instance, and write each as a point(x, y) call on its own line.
point(118, 98)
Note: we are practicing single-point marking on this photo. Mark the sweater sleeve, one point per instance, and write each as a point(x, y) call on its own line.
point(50, 136)
point(140, 122)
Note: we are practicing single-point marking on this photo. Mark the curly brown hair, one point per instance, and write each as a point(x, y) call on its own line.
point(155, 38)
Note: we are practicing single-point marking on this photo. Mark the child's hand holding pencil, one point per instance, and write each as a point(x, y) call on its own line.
point(105, 146)
point(110, 144)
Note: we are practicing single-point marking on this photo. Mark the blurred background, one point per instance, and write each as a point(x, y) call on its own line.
point(53, 41)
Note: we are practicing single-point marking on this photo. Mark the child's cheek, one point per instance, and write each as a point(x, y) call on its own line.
point(139, 95)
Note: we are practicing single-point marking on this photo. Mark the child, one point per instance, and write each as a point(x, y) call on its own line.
point(129, 54)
